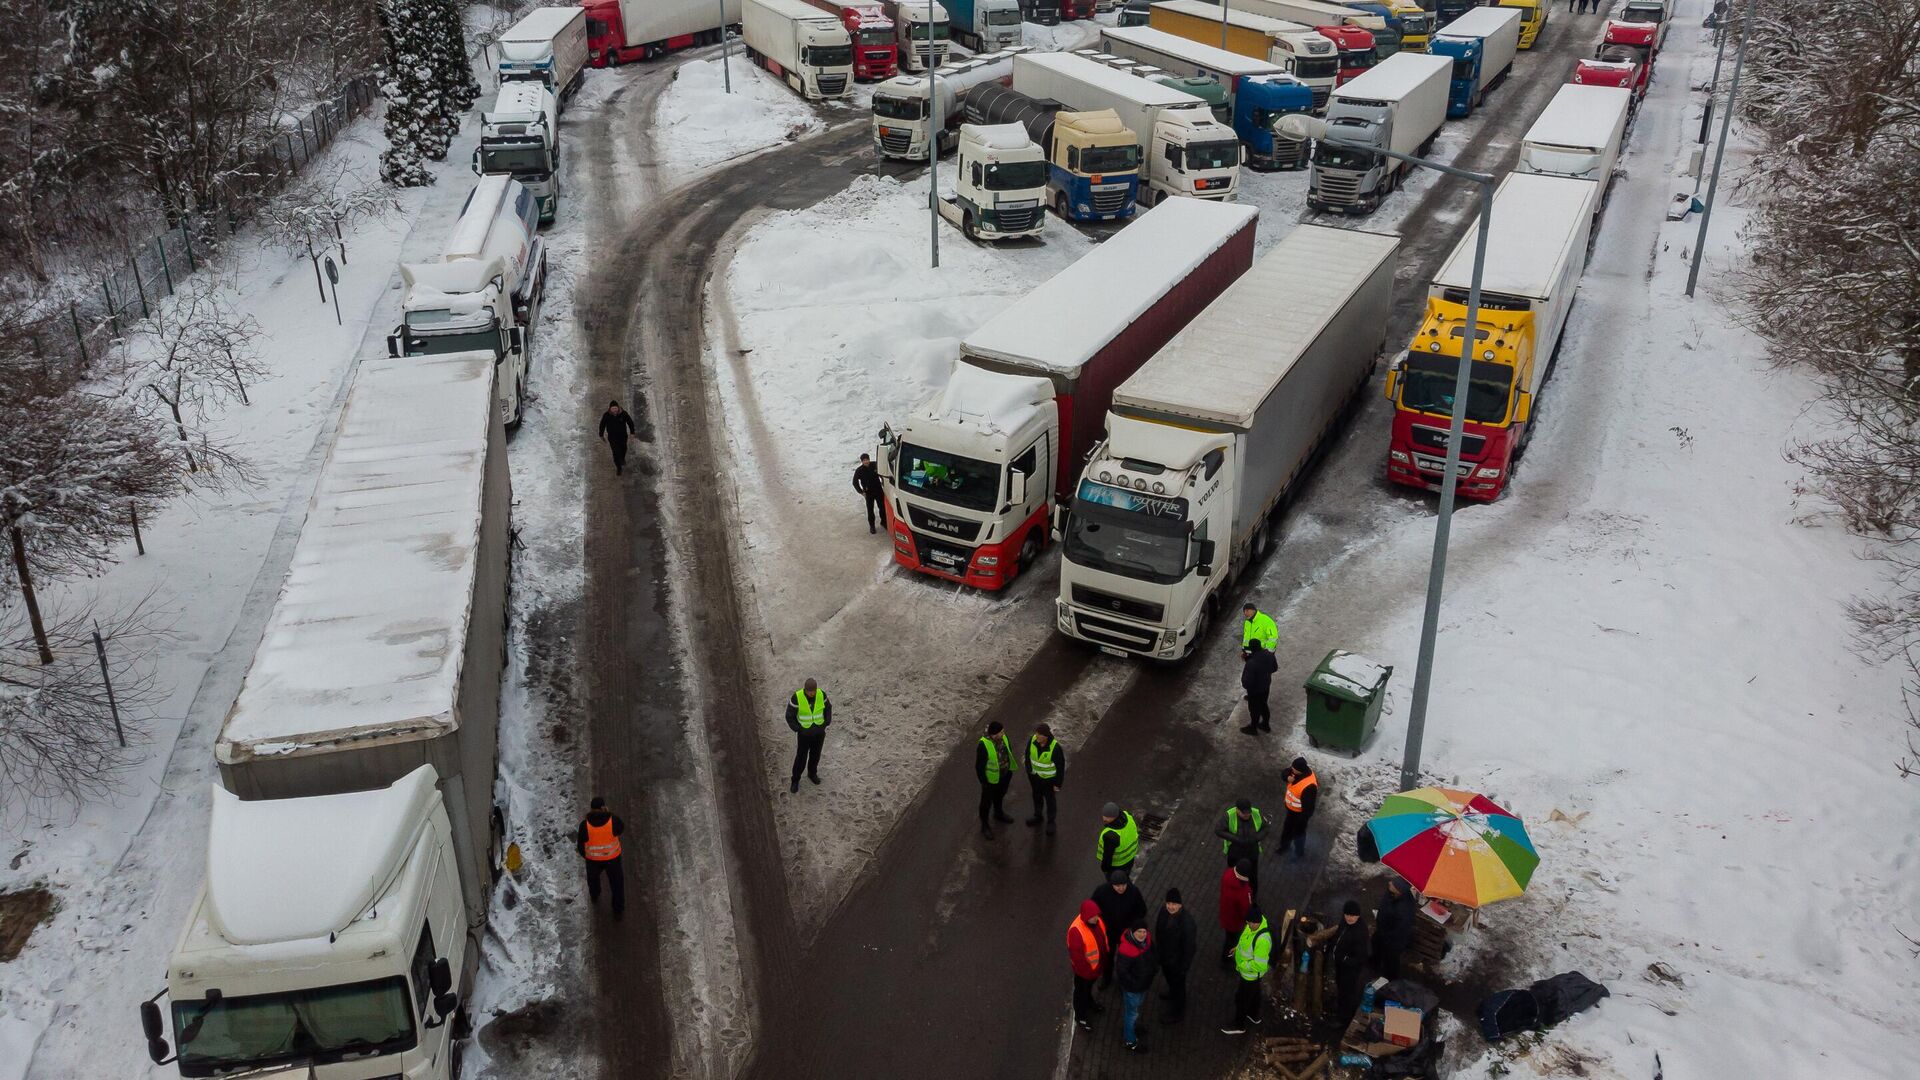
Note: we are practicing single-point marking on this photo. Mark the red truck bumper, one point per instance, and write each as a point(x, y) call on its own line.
point(989, 567)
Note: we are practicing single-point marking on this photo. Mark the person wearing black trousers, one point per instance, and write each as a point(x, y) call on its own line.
point(993, 765)
point(616, 427)
point(809, 714)
point(1256, 678)
point(1350, 950)
point(1046, 773)
point(866, 481)
point(597, 840)
point(1176, 940)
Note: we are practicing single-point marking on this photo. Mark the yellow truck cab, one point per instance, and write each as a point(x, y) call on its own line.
point(1533, 18)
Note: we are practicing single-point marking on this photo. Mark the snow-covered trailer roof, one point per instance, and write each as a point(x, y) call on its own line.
point(1063, 323)
point(1231, 356)
point(1580, 115)
point(1210, 57)
point(1536, 221)
point(1118, 84)
point(521, 102)
point(539, 27)
point(498, 221)
point(1394, 78)
point(1200, 9)
point(370, 629)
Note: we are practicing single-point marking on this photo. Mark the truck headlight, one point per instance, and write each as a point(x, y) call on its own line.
point(1062, 614)
point(1398, 455)
point(988, 560)
point(1488, 474)
point(1169, 637)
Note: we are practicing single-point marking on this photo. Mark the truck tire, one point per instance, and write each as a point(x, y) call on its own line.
point(1060, 206)
point(966, 228)
point(1030, 550)
point(519, 402)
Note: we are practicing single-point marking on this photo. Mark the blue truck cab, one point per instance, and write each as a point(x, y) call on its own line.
point(1258, 103)
point(1466, 56)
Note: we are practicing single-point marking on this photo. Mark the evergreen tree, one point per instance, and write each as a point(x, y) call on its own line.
point(414, 117)
point(458, 87)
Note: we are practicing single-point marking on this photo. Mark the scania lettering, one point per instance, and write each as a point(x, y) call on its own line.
point(1481, 45)
point(1206, 441)
point(801, 44)
point(1093, 160)
point(520, 137)
point(972, 475)
point(548, 46)
point(1398, 106)
point(623, 31)
point(1302, 53)
point(1258, 92)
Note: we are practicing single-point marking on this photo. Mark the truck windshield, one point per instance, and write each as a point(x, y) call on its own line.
point(430, 333)
point(1639, 15)
point(870, 36)
point(919, 31)
point(1429, 381)
point(893, 108)
point(1139, 546)
point(1004, 17)
point(830, 56)
point(1015, 175)
point(1358, 58)
point(1213, 155)
point(961, 481)
point(1323, 67)
point(1105, 159)
point(256, 1030)
point(1340, 157)
point(523, 159)
point(1463, 70)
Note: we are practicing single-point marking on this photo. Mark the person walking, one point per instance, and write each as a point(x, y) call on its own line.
point(1120, 905)
point(809, 714)
point(993, 764)
point(598, 842)
point(1119, 841)
point(1251, 959)
point(1393, 928)
point(866, 481)
point(1303, 795)
point(1087, 955)
point(1256, 679)
point(1349, 937)
point(1135, 965)
point(1236, 896)
point(1241, 832)
point(1046, 773)
point(1258, 626)
point(1174, 938)
point(616, 427)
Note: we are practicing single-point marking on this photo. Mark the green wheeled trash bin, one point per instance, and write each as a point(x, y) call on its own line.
point(1344, 697)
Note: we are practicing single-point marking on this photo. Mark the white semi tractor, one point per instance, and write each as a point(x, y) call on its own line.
point(999, 184)
point(921, 30)
point(1205, 442)
point(354, 836)
point(1398, 106)
point(1186, 150)
point(901, 112)
point(804, 46)
point(520, 137)
point(548, 46)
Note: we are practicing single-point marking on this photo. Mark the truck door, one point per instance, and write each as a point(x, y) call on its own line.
point(1030, 463)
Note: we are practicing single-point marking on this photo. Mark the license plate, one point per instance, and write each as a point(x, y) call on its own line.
point(1111, 651)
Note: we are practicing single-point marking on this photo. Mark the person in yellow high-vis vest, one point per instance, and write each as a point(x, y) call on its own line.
point(1047, 773)
point(1252, 957)
point(808, 714)
point(994, 765)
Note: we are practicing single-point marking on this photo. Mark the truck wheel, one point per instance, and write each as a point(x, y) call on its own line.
point(1029, 551)
point(967, 230)
point(1060, 206)
point(519, 401)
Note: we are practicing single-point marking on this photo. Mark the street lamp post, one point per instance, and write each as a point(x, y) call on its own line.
point(726, 73)
point(1301, 126)
point(1226, 7)
point(933, 151)
point(1720, 152)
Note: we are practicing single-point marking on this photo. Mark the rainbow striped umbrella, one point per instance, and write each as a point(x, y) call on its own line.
point(1454, 845)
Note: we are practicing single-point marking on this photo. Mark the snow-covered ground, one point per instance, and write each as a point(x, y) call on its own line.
point(699, 123)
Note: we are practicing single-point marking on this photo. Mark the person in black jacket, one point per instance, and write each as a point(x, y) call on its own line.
point(597, 840)
point(1120, 905)
point(1046, 774)
point(993, 766)
point(1175, 939)
point(616, 427)
point(1393, 928)
point(1256, 678)
point(810, 730)
point(866, 481)
point(1349, 937)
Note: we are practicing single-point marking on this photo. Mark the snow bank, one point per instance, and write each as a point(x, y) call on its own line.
point(698, 123)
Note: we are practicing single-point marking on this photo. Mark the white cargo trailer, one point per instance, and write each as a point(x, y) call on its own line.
point(548, 45)
point(1579, 135)
point(801, 44)
point(621, 31)
point(1207, 439)
point(1482, 44)
point(1399, 106)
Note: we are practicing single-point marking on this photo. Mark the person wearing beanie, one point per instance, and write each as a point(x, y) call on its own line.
point(1121, 905)
point(1241, 831)
point(1046, 773)
point(598, 842)
point(1349, 951)
point(1303, 794)
point(616, 427)
point(1252, 957)
point(1135, 963)
point(1393, 927)
point(1088, 955)
point(994, 765)
point(1119, 841)
point(1256, 680)
point(1174, 938)
point(1236, 896)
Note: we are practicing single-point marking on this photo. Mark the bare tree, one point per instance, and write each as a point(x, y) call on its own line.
point(311, 216)
point(193, 355)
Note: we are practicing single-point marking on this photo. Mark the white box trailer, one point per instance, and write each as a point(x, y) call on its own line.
point(1494, 32)
point(1398, 105)
point(655, 22)
point(1579, 135)
point(1183, 57)
point(550, 45)
point(1206, 440)
point(353, 838)
point(806, 47)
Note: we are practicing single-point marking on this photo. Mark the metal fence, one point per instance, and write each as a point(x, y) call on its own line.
point(127, 293)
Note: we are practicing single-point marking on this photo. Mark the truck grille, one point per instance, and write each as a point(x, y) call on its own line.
point(1113, 633)
point(833, 85)
point(941, 556)
point(1119, 605)
point(1337, 187)
point(927, 521)
point(1109, 202)
point(896, 144)
point(1288, 153)
point(1432, 438)
point(1320, 95)
point(1016, 220)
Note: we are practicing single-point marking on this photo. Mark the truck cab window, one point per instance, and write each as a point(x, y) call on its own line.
point(1026, 463)
point(976, 174)
point(1073, 159)
point(421, 970)
point(1214, 459)
point(1174, 158)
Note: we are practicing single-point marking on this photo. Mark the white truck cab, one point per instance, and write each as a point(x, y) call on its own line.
point(1000, 184)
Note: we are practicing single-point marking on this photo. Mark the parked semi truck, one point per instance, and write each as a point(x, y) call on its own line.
point(520, 137)
point(973, 474)
point(354, 837)
point(1536, 252)
point(1408, 24)
point(484, 291)
point(1187, 151)
point(913, 22)
point(1364, 38)
point(1304, 54)
point(875, 50)
point(1579, 135)
point(999, 184)
point(1613, 65)
point(549, 46)
point(623, 31)
point(1258, 92)
point(1533, 18)
point(984, 25)
point(1398, 106)
point(1041, 12)
point(1205, 442)
point(901, 115)
point(1093, 160)
point(1481, 45)
point(801, 44)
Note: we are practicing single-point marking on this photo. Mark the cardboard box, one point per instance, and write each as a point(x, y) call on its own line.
point(1402, 1025)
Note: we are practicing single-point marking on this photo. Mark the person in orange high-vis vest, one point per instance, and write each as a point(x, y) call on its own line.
point(598, 842)
point(1087, 953)
point(1303, 794)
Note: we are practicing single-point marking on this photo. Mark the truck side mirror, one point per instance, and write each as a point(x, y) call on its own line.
point(1203, 557)
point(150, 1026)
point(886, 436)
point(446, 1003)
point(1393, 383)
point(1017, 480)
point(476, 162)
point(440, 976)
point(393, 345)
point(1058, 526)
point(1522, 407)
point(516, 338)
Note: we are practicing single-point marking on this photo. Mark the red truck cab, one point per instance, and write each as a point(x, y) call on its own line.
point(1076, 9)
point(1356, 50)
point(875, 54)
point(1613, 66)
point(607, 38)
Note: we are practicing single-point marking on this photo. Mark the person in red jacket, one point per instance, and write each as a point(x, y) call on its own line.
point(1087, 953)
point(1236, 896)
